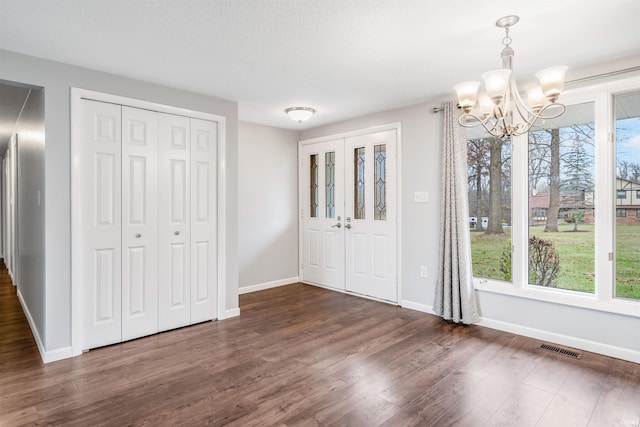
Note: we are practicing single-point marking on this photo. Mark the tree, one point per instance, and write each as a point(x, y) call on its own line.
point(635, 172)
point(478, 165)
point(561, 165)
point(554, 182)
point(495, 186)
point(577, 167)
point(624, 167)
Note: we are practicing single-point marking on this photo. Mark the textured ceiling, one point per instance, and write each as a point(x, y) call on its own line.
point(343, 57)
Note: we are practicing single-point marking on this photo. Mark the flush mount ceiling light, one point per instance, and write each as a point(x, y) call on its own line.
point(300, 114)
point(501, 109)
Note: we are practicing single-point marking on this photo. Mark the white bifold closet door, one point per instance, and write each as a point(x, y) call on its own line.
point(139, 223)
point(187, 250)
point(147, 220)
point(204, 209)
point(174, 289)
point(98, 222)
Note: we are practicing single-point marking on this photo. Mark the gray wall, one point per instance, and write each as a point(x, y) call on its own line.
point(30, 263)
point(57, 79)
point(267, 204)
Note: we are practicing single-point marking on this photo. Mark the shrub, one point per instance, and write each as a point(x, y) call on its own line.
point(544, 262)
point(505, 262)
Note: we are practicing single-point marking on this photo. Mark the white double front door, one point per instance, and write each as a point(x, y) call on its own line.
point(348, 197)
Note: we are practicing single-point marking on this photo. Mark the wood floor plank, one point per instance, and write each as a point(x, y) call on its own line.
point(305, 356)
point(478, 404)
point(523, 407)
point(439, 397)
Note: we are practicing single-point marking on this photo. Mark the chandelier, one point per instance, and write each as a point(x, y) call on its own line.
point(501, 101)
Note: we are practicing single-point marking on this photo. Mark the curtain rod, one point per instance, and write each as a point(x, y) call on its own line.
point(580, 80)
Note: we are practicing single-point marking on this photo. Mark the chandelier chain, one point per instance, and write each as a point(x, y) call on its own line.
point(506, 41)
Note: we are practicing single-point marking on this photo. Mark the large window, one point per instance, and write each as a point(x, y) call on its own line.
point(561, 181)
point(489, 172)
point(555, 213)
point(627, 181)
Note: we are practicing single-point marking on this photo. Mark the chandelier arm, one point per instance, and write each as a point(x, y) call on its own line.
point(465, 116)
point(494, 129)
point(562, 108)
point(520, 104)
point(523, 128)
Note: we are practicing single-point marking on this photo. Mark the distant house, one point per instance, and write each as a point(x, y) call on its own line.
point(569, 203)
point(627, 201)
point(627, 204)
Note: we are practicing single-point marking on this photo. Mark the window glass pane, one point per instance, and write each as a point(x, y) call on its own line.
point(561, 201)
point(489, 180)
point(358, 179)
point(380, 177)
point(330, 184)
point(627, 223)
point(313, 188)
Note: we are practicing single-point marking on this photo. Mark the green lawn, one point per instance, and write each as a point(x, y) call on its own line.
point(628, 261)
point(576, 253)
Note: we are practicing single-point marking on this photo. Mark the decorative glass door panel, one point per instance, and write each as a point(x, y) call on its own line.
point(330, 184)
point(359, 204)
point(370, 234)
point(380, 182)
point(322, 214)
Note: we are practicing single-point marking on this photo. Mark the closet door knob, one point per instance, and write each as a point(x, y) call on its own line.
point(176, 233)
point(138, 236)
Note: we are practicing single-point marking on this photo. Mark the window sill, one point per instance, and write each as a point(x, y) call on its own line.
point(560, 296)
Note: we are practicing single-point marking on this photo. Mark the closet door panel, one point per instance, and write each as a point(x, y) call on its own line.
point(139, 223)
point(99, 255)
point(174, 290)
point(204, 141)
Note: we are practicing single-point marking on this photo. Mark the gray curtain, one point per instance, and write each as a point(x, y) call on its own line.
point(455, 295)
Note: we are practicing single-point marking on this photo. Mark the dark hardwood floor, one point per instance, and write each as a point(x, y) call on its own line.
point(303, 356)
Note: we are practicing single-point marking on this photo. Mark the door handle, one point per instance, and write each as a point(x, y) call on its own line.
point(176, 233)
point(347, 226)
point(138, 235)
point(337, 225)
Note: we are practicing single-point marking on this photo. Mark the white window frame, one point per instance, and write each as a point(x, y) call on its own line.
point(602, 95)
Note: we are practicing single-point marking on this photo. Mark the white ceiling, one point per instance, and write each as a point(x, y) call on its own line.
point(344, 58)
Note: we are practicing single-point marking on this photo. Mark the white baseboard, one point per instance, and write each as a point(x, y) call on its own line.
point(267, 285)
point(417, 306)
point(46, 356)
point(58, 354)
point(582, 344)
point(32, 325)
point(579, 343)
point(233, 312)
